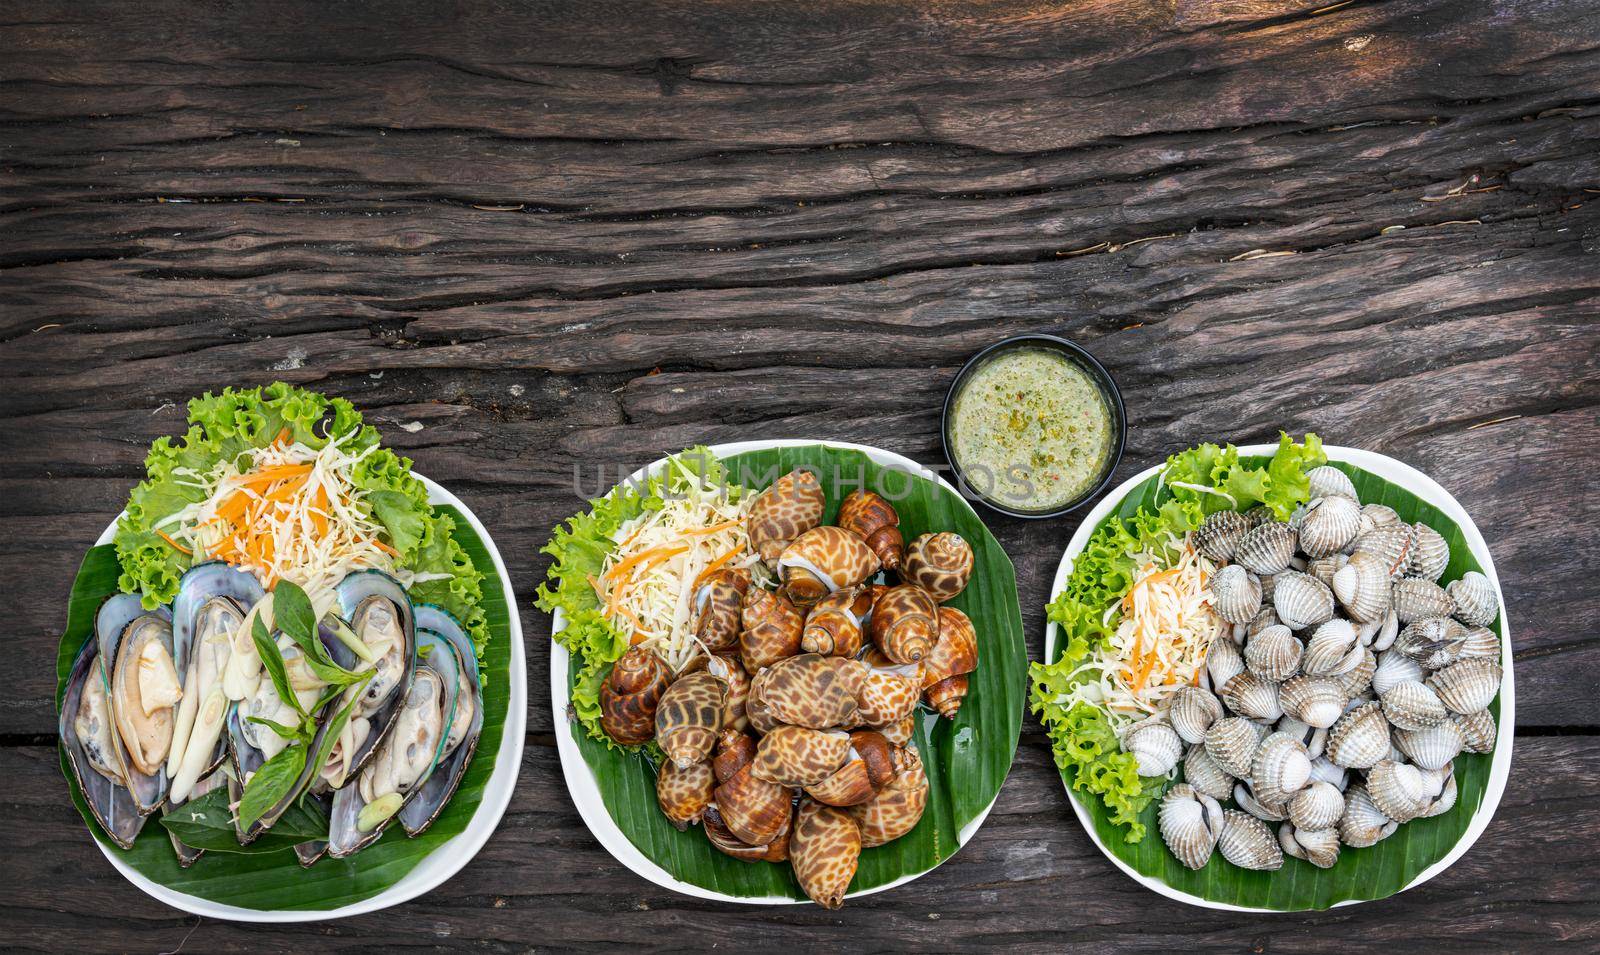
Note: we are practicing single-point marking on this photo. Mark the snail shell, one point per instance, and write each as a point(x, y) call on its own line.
point(736, 682)
point(718, 604)
point(872, 518)
point(684, 794)
point(939, 563)
point(721, 835)
point(754, 810)
point(771, 631)
point(823, 560)
point(790, 507)
point(888, 694)
point(630, 696)
point(897, 808)
point(944, 671)
point(904, 623)
point(689, 718)
point(824, 850)
point(807, 690)
point(834, 624)
point(797, 756)
point(868, 767)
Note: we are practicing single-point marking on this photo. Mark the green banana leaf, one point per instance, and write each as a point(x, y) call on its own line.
point(1360, 874)
point(276, 880)
point(966, 759)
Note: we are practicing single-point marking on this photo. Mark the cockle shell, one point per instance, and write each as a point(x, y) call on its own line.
point(1273, 654)
point(1329, 525)
point(1329, 481)
point(718, 604)
point(1320, 847)
point(1445, 799)
point(631, 694)
point(1266, 549)
point(1264, 618)
point(1475, 599)
point(1260, 514)
point(1414, 598)
point(898, 807)
point(1434, 642)
point(1360, 738)
point(689, 718)
point(1324, 568)
point(1247, 842)
point(1190, 823)
point(1253, 697)
point(1192, 711)
point(955, 654)
point(1395, 667)
point(824, 850)
point(1325, 770)
point(834, 624)
point(1154, 744)
point(872, 518)
point(1478, 731)
point(1314, 700)
point(796, 756)
point(1356, 681)
point(1431, 748)
point(1391, 545)
point(823, 560)
point(1232, 742)
point(905, 623)
point(1377, 515)
point(1362, 587)
point(1219, 535)
point(1467, 686)
point(1266, 812)
point(1410, 705)
point(1235, 594)
point(1430, 555)
point(1318, 806)
point(1332, 649)
point(1398, 790)
point(1280, 769)
point(1480, 643)
point(1301, 600)
point(939, 563)
point(771, 631)
point(790, 507)
point(1206, 774)
point(1363, 823)
point(684, 793)
point(1224, 661)
point(1314, 738)
point(807, 690)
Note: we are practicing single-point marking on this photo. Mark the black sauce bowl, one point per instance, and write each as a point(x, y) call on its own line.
point(1096, 372)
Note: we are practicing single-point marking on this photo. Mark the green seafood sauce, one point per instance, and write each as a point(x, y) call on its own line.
point(1031, 430)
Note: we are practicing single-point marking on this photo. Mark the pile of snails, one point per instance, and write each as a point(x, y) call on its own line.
point(790, 737)
point(1351, 682)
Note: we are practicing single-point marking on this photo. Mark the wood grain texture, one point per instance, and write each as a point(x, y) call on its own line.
point(560, 236)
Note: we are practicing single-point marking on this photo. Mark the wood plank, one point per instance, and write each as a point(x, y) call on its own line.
point(1030, 880)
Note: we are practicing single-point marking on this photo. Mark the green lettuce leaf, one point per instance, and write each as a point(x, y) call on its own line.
point(1218, 480)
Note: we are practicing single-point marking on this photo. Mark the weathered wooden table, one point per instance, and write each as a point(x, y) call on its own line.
point(558, 235)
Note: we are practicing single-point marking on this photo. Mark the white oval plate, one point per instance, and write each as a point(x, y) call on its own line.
point(1422, 486)
point(441, 863)
point(580, 778)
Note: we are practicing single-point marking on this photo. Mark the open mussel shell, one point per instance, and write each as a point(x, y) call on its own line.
point(110, 802)
point(121, 622)
point(466, 725)
point(212, 603)
point(188, 855)
point(309, 852)
point(372, 600)
point(409, 756)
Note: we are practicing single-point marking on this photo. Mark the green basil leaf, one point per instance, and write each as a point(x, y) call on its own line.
point(272, 659)
point(291, 609)
point(271, 784)
point(287, 732)
point(206, 822)
point(332, 673)
point(330, 734)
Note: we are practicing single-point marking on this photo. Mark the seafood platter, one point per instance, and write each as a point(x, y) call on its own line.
point(782, 685)
point(284, 683)
point(1278, 677)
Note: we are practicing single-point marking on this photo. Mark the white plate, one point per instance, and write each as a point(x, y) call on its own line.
point(441, 863)
point(580, 779)
point(1423, 487)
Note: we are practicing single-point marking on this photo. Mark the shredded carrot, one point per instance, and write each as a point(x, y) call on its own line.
point(653, 555)
point(716, 565)
point(282, 438)
point(272, 473)
point(712, 529)
point(1144, 671)
point(384, 547)
point(176, 546)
